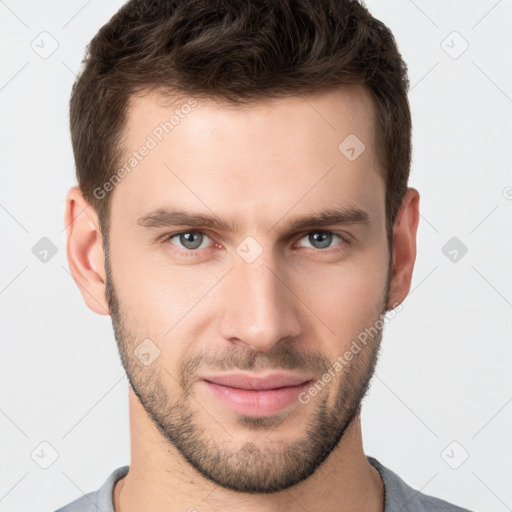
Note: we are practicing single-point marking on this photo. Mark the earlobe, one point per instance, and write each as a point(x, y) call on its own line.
point(85, 253)
point(404, 246)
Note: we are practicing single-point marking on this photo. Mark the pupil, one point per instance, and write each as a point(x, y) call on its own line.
point(324, 239)
point(188, 240)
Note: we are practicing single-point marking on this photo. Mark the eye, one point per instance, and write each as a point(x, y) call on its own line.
point(189, 240)
point(322, 239)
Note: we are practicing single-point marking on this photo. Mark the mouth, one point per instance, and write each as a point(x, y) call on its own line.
point(254, 396)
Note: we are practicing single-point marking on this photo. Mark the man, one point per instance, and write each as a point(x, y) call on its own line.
point(243, 215)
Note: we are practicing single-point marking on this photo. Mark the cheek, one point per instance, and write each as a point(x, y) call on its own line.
point(147, 302)
point(158, 307)
point(346, 298)
point(162, 302)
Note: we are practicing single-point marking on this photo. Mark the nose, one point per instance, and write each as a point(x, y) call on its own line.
point(259, 306)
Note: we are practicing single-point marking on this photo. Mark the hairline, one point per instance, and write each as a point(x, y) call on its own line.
point(238, 103)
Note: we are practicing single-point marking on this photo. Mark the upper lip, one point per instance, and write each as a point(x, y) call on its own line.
point(246, 381)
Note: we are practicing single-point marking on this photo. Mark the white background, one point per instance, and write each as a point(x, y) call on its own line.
point(444, 372)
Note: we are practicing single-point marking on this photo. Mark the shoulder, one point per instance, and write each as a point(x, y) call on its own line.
point(400, 496)
point(100, 499)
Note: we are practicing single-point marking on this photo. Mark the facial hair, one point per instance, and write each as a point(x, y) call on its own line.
point(252, 468)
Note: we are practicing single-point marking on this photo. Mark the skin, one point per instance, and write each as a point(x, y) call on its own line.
point(295, 307)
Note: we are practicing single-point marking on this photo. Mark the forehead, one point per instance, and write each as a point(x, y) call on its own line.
point(301, 152)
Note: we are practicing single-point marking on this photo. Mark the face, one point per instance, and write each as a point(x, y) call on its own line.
point(266, 292)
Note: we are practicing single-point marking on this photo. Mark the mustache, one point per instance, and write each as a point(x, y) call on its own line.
point(281, 357)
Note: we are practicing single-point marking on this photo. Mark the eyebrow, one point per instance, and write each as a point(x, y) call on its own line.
point(162, 217)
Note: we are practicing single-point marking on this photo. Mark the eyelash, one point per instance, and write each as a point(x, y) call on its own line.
point(191, 253)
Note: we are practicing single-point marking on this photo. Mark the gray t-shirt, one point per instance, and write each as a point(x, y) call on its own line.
point(399, 497)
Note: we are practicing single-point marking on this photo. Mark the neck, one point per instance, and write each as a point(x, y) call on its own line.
point(160, 479)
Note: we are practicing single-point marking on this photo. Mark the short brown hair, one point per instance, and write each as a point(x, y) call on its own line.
point(239, 51)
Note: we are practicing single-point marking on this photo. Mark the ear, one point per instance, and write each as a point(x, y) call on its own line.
point(85, 250)
point(404, 246)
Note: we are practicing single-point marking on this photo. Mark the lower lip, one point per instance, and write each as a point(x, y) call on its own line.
point(256, 403)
